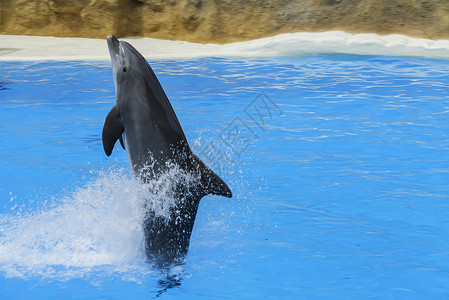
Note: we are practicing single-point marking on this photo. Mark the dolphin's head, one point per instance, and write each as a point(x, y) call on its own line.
point(124, 59)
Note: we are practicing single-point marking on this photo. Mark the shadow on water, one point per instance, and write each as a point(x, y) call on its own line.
point(171, 278)
point(169, 282)
point(2, 86)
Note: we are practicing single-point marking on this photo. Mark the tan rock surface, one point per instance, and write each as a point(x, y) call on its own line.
point(221, 21)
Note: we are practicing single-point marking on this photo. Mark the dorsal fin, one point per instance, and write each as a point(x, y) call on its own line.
point(112, 129)
point(211, 183)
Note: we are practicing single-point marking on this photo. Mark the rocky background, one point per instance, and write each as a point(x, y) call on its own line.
point(221, 21)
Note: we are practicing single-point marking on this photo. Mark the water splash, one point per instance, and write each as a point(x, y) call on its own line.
point(160, 192)
point(96, 226)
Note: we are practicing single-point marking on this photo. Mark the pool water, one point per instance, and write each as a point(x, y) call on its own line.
point(339, 166)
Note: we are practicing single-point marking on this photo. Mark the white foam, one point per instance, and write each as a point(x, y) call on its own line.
point(17, 48)
point(98, 226)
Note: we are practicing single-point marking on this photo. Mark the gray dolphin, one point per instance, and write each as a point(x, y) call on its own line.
point(147, 127)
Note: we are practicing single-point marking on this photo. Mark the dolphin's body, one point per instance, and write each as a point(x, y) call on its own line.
point(147, 127)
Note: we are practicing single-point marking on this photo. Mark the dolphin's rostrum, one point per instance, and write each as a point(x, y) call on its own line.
point(147, 127)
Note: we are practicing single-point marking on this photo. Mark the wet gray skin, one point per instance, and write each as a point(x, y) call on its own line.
point(147, 127)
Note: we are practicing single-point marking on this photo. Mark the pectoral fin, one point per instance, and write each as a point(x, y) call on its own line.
point(112, 130)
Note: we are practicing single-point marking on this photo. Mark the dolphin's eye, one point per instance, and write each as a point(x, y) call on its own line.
point(125, 69)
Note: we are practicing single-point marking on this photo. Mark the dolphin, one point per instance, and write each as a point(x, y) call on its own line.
point(146, 125)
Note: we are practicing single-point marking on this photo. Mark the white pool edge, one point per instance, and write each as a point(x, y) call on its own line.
point(36, 48)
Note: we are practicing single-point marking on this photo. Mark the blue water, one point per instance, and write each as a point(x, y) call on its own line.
point(339, 167)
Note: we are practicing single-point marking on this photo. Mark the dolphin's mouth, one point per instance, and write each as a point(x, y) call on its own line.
point(113, 45)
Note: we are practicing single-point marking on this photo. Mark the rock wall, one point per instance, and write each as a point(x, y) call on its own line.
point(221, 21)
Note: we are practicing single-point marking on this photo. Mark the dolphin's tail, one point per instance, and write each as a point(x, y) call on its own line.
point(211, 183)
